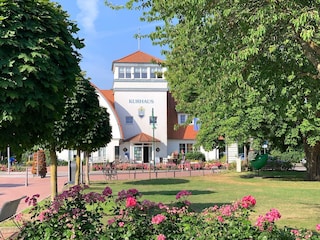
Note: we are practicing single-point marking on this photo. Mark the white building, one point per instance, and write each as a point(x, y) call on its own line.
point(142, 114)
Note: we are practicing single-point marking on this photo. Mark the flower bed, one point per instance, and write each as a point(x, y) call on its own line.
point(162, 166)
point(77, 215)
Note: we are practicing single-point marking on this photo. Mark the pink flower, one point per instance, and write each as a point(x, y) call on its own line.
point(318, 227)
point(133, 192)
point(42, 216)
point(226, 210)
point(19, 217)
point(107, 192)
point(266, 222)
point(33, 200)
point(220, 219)
point(248, 201)
point(161, 237)
point(111, 221)
point(158, 219)
point(121, 224)
point(295, 232)
point(131, 202)
point(183, 193)
point(273, 215)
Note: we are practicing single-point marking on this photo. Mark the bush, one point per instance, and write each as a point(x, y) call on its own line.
point(290, 156)
point(76, 215)
point(279, 165)
point(195, 156)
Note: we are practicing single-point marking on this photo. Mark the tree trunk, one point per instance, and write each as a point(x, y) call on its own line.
point(53, 177)
point(77, 175)
point(313, 161)
point(87, 180)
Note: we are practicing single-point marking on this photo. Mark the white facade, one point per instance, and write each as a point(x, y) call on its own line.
point(139, 96)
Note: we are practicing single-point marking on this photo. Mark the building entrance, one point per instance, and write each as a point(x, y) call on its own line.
point(145, 154)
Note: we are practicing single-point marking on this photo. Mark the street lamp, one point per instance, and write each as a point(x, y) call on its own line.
point(153, 141)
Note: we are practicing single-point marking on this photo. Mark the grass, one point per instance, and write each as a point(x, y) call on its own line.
point(297, 200)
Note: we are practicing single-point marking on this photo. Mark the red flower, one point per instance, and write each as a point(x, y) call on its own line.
point(248, 201)
point(131, 202)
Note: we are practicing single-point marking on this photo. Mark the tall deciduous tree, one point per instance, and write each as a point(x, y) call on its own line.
point(38, 65)
point(84, 125)
point(98, 136)
point(245, 68)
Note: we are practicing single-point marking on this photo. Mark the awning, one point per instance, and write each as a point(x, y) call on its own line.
point(141, 138)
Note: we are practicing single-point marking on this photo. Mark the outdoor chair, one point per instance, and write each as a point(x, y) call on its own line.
point(9, 211)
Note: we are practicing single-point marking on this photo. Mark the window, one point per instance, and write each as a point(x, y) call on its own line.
point(124, 72)
point(182, 147)
point(137, 150)
point(182, 118)
point(186, 147)
point(137, 73)
point(155, 73)
point(140, 72)
point(116, 152)
point(129, 120)
point(152, 119)
point(189, 147)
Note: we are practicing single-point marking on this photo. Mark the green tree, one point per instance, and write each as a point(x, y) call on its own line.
point(38, 65)
point(245, 68)
point(98, 136)
point(84, 125)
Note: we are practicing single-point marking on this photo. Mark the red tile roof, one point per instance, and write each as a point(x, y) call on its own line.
point(108, 94)
point(109, 97)
point(140, 138)
point(138, 57)
point(183, 132)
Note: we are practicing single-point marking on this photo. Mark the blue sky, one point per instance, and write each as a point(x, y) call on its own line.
point(108, 35)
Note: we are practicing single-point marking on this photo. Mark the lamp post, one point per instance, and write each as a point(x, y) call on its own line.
point(153, 142)
point(8, 156)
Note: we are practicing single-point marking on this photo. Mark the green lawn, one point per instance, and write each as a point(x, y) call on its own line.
point(296, 199)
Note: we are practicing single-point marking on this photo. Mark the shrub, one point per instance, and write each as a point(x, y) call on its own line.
point(290, 156)
point(195, 156)
point(76, 215)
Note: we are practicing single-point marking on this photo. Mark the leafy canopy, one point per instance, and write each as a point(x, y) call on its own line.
point(38, 66)
point(245, 68)
point(84, 125)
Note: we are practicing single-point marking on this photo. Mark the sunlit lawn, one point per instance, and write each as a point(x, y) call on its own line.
point(296, 199)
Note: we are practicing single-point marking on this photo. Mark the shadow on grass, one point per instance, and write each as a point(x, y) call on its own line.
point(174, 192)
point(159, 181)
point(278, 175)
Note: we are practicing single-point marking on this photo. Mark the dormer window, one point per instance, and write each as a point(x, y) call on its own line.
point(156, 72)
point(124, 72)
point(140, 72)
point(182, 118)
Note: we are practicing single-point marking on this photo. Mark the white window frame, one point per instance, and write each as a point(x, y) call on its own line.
point(125, 72)
point(155, 72)
point(182, 118)
point(140, 72)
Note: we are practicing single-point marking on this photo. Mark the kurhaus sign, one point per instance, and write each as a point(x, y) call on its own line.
point(140, 101)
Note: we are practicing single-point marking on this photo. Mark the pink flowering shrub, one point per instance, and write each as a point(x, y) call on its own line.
point(78, 215)
point(72, 215)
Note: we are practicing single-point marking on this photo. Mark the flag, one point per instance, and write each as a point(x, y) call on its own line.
point(196, 124)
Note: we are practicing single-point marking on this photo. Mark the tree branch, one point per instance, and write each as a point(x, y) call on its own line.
point(312, 52)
